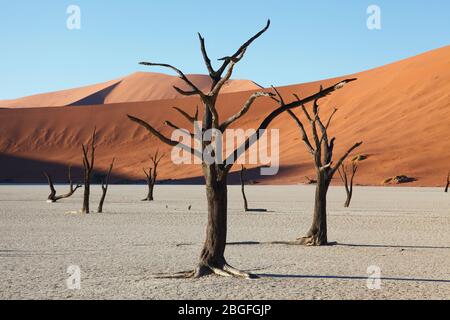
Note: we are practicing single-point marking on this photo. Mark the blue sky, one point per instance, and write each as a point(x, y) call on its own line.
point(308, 40)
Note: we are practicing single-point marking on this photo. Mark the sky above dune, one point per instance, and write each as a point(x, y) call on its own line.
point(308, 40)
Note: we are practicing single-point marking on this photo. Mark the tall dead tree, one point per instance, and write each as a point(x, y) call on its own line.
point(448, 183)
point(105, 185)
point(53, 197)
point(347, 176)
point(152, 174)
point(321, 149)
point(243, 188)
point(212, 258)
point(88, 164)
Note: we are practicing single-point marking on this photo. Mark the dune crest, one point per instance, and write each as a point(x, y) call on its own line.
point(139, 86)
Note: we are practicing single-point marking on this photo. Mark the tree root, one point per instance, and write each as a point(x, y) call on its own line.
point(203, 271)
point(313, 241)
point(304, 241)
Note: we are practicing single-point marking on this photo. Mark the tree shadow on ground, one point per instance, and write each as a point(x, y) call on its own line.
point(298, 276)
point(389, 246)
point(337, 244)
point(259, 211)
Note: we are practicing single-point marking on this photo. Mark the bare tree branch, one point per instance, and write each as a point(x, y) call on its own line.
point(191, 119)
point(303, 132)
point(147, 174)
point(244, 109)
point(182, 77)
point(164, 139)
point(342, 159)
point(212, 72)
point(268, 120)
point(233, 61)
point(171, 125)
point(242, 49)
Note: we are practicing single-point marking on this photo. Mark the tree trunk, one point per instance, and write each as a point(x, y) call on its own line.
point(349, 198)
point(243, 189)
point(151, 186)
point(212, 255)
point(102, 200)
point(87, 189)
point(317, 234)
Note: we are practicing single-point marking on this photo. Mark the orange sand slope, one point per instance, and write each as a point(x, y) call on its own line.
point(401, 111)
point(139, 86)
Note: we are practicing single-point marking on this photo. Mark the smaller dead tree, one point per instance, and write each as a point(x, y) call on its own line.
point(88, 164)
point(152, 174)
point(310, 181)
point(53, 197)
point(321, 147)
point(246, 208)
point(347, 177)
point(105, 185)
point(448, 183)
point(243, 189)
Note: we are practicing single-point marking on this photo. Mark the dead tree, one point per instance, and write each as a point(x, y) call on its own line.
point(310, 181)
point(246, 208)
point(321, 149)
point(212, 260)
point(347, 178)
point(243, 188)
point(88, 164)
point(448, 183)
point(105, 185)
point(152, 174)
point(53, 197)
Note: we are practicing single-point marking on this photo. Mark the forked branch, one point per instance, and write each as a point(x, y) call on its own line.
point(342, 159)
point(163, 138)
point(268, 120)
point(190, 118)
point(195, 89)
point(241, 50)
point(212, 72)
point(53, 197)
point(244, 109)
point(347, 178)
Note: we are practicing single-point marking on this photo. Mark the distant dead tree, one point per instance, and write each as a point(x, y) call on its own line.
point(105, 185)
point(243, 188)
point(53, 197)
point(152, 174)
point(88, 164)
point(246, 208)
point(212, 260)
point(448, 183)
point(321, 149)
point(347, 176)
point(310, 181)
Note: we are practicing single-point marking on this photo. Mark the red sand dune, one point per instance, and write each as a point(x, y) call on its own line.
point(401, 111)
point(137, 87)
